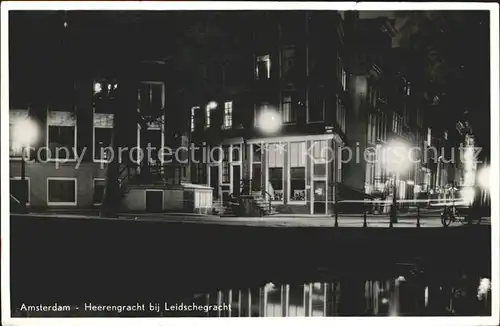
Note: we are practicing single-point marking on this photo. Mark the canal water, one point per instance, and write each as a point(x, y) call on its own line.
point(258, 272)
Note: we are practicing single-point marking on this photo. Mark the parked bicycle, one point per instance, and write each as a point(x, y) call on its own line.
point(462, 215)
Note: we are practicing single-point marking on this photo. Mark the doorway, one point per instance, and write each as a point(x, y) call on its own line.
point(319, 197)
point(214, 181)
point(154, 201)
point(236, 180)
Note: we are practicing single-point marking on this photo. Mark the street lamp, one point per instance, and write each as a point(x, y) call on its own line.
point(25, 134)
point(396, 160)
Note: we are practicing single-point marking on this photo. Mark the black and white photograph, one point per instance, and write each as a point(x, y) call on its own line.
point(185, 161)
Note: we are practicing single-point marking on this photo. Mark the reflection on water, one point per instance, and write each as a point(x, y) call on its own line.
point(398, 296)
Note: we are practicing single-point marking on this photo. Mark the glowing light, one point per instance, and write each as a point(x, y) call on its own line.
point(467, 195)
point(269, 121)
point(483, 288)
point(212, 105)
point(25, 133)
point(97, 87)
point(426, 296)
point(396, 156)
point(483, 178)
point(269, 286)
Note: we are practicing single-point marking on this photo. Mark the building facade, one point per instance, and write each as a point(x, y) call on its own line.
point(67, 165)
point(292, 70)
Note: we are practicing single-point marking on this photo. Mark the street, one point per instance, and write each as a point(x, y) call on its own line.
point(429, 219)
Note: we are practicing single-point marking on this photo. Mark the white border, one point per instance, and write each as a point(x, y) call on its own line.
point(494, 45)
point(49, 203)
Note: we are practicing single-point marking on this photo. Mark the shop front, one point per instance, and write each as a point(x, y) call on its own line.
point(297, 174)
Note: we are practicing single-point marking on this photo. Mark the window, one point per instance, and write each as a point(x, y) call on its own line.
point(208, 111)
point(99, 186)
point(263, 69)
point(397, 123)
point(61, 191)
point(341, 118)
point(257, 153)
point(275, 161)
point(225, 172)
point(296, 304)
point(228, 115)
point(151, 98)
point(289, 113)
point(297, 171)
point(318, 299)
point(236, 153)
point(20, 188)
point(316, 106)
point(193, 118)
point(288, 61)
point(273, 308)
point(320, 150)
point(62, 141)
point(341, 73)
point(102, 142)
point(344, 79)
point(408, 89)
point(104, 95)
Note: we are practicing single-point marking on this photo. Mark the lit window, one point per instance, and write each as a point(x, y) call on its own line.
point(341, 118)
point(263, 69)
point(193, 121)
point(297, 171)
point(275, 160)
point(228, 115)
point(344, 79)
point(288, 113)
point(210, 106)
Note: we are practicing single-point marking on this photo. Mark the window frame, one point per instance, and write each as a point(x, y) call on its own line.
point(28, 199)
point(282, 167)
point(292, 109)
point(75, 142)
point(228, 115)
point(263, 58)
point(289, 173)
point(49, 203)
point(93, 187)
point(321, 94)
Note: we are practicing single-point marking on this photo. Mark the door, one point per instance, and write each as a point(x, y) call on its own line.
point(236, 180)
point(154, 201)
point(319, 197)
point(214, 180)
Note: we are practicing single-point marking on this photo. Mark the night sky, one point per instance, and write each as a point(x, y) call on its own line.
point(43, 51)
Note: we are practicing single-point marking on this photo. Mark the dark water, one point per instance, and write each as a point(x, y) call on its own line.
point(257, 271)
